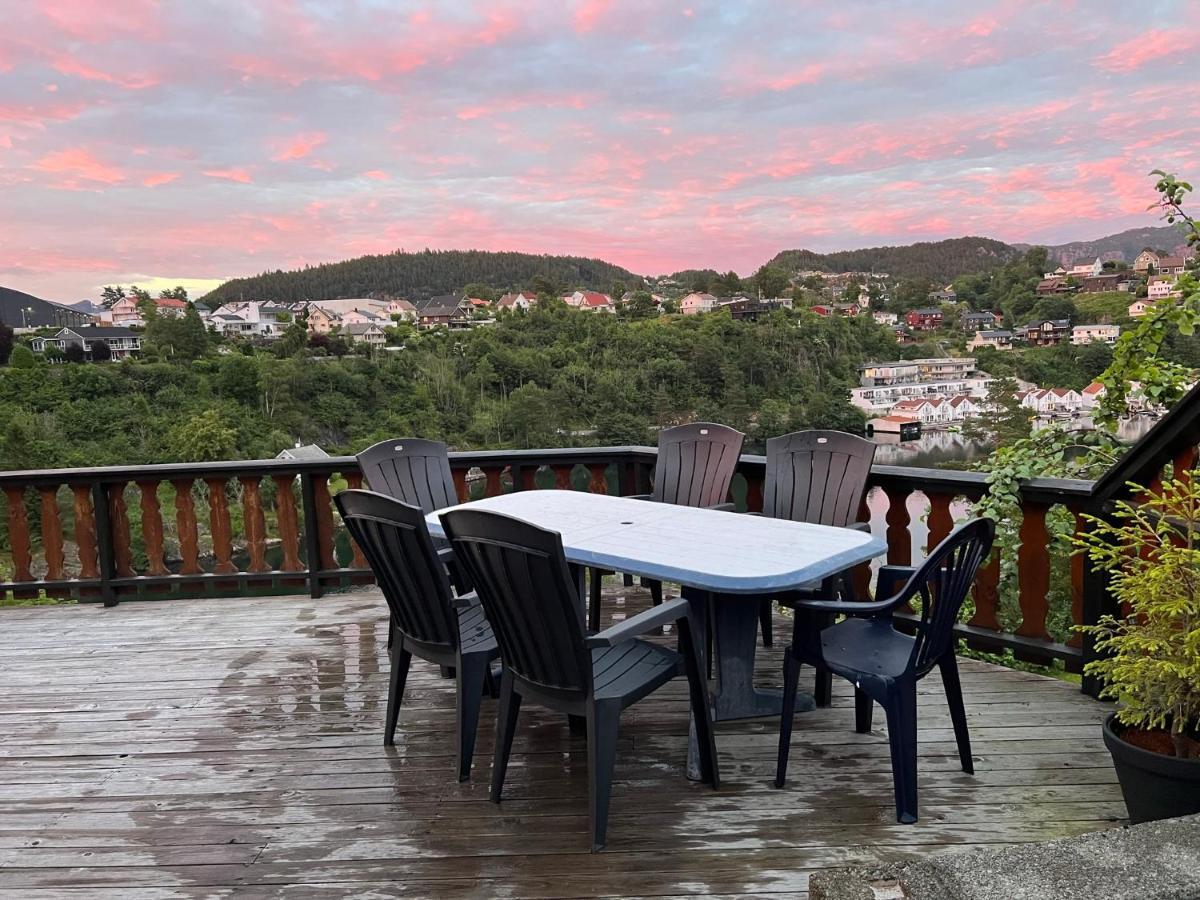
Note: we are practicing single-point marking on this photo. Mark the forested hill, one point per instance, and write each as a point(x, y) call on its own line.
point(416, 276)
point(1124, 245)
point(936, 261)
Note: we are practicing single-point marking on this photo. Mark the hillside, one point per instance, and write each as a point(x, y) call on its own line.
point(936, 261)
point(1124, 245)
point(40, 312)
point(416, 276)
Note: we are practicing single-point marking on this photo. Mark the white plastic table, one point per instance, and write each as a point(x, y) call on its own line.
point(734, 558)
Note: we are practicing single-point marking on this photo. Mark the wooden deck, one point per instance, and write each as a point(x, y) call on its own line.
point(219, 747)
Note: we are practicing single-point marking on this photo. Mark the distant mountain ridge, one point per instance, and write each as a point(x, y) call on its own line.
point(417, 276)
point(935, 260)
point(1124, 245)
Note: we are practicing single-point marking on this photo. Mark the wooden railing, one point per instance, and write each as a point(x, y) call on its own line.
point(268, 526)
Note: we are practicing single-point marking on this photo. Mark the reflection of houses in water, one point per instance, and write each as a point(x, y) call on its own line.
point(931, 449)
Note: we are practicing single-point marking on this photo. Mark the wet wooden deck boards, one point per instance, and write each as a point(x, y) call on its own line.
point(219, 747)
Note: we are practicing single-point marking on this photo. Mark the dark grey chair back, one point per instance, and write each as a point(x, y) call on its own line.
point(394, 539)
point(819, 477)
point(413, 470)
point(521, 576)
point(696, 464)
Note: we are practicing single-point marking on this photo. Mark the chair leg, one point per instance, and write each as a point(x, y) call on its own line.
point(864, 707)
point(401, 659)
point(655, 591)
point(823, 686)
point(627, 580)
point(594, 605)
point(506, 727)
point(766, 624)
point(791, 676)
point(701, 707)
point(901, 709)
point(472, 677)
point(958, 713)
point(603, 721)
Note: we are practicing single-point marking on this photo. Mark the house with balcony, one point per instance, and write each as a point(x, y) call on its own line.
point(1053, 284)
point(450, 310)
point(883, 384)
point(122, 342)
point(1085, 268)
point(368, 333)
point(1091, 334)
point(1047, 333)
point(1051, 401)
point(123, 312)
point(1160, 287)
point(925, 319)
point(253, 319)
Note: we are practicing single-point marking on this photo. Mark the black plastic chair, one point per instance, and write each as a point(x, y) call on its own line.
point(885, 664)
point(532, 601)
point(427, 620)
point(417, 472)
point(819, 477)
point(695, 467)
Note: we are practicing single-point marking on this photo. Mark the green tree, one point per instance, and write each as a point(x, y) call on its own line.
point(139, 293)
point(111, 293)
point(73, 353)
point(22, 357)
point(204, 437)
point(1004, 421)
point(724, 285)
point(101, 352)
point(771, 281)
point(481, 291)
point(179, 292)
point(6, 343)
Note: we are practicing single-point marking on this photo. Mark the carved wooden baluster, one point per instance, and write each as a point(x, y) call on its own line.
point(1077, 563)
point(18, 534)
point(289, 524)
point(899, 540)
point(940, 521)
point(255, 523)
point(52, 533)
point(491, 485)
point(185, 524)
point(860, 576)
point(529, 478)
point(754, 493)
point(460, 484)
point(219, 526)
point(562, 477)
point(85, 531)
point(152, 528)
point(354, 481)
point(599, 480)
point(987, 595)
point(118, 519)
point(1033, 571)
point(324, 505)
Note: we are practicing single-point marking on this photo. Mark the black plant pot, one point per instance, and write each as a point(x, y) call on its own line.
point(1155, 786)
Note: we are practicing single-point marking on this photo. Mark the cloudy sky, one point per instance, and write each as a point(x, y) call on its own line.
point(194, 140)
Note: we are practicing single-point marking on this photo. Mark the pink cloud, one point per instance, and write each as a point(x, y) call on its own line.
point(79, 164)
point(68, 65)
point(377, 175)
point(159, 178)
point(1152, 45)
point(86, 20)
point(299, 146)
point(242, 176)
point(589, 13)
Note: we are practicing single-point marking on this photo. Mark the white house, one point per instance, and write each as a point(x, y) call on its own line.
point(1000, 340)
point(1138, 308)
point(1088, 334)
point(1160, 287)
point(520, 300)
point(591, 301)
point(697, 303)
point(124, 312)
point(1048, 401)
point(927, 410)
point(1084, 269)
point(369, 333)
point(1091, 395)
point(121, 341)
point(884, 318)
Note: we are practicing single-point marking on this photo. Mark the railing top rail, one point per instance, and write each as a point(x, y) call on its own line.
point(1179, 428)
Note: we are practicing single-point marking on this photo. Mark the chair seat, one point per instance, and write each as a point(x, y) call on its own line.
point(631, 670)
point(474, 630)
point(867, 647)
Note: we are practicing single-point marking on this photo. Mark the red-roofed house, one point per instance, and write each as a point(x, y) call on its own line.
point(1091, 395)
point(592, 301)
point(170, 307)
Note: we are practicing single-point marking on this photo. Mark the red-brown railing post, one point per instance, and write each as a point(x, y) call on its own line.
point(152, 529)
point(185, 523)
point(52, 533)
point(1033, 571)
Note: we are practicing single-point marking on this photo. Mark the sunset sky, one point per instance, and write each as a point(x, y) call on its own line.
point(191, 141)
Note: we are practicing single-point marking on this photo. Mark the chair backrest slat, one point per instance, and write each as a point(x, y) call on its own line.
point(942, 583)
point(413, 470)
point(696, 464)
point(819, 477)
point(520, 573)
point(394, 539)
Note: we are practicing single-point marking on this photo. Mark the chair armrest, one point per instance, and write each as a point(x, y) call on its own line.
point(654, 617)
point(848, 607)
point(892, 578)
point(723, 507)
point(466, 601)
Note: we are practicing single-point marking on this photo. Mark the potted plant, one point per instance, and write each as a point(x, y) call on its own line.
point(1150, 657)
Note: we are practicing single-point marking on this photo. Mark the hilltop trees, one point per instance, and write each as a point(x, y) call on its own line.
point(6, 343)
